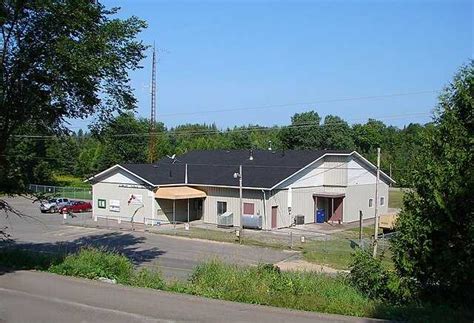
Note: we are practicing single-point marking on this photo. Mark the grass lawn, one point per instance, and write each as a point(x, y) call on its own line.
point(337, 251)
point(70, 181)
point(222, 236)
point(395, 198)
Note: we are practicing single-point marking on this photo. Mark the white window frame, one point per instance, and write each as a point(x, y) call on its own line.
point(382, 200)
point(102, 203)
point(371, 203)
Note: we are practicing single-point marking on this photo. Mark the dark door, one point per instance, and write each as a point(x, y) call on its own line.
point(274, 216)
point(337, 209)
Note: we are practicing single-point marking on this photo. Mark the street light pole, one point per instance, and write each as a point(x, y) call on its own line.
point(239, 176)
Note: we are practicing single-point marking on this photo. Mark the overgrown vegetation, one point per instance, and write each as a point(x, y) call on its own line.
point(434, 245)
point(69, 181)
point(262, 284)
point(377, 281)
point(93, 263)
point(266, 285)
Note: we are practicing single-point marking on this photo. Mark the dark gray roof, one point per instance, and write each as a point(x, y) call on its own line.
point(216, 167)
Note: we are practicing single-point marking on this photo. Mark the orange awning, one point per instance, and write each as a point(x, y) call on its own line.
point(179, 193)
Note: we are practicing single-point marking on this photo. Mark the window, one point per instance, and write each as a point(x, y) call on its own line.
point(371, 202)
point(382, 200)
point(101, 203)
point(221, 207)
point(249, 208)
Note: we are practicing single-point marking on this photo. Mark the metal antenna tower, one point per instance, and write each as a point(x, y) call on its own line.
point(152, 130)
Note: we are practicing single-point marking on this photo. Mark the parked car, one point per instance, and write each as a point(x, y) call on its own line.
point(53, 205)
point(76, 207)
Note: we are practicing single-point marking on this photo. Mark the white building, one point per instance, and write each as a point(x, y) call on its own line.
point(279, 187)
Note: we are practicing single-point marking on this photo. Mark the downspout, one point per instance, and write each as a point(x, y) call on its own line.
point(264, 208)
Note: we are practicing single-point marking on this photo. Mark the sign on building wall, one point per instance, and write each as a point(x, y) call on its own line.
point(114, 206)
point(135, 199)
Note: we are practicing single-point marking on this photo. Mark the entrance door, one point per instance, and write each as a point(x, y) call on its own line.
point(336, 209)
point(274, 216)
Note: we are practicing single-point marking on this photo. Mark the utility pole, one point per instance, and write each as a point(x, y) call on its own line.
point(376, 231)
point(152, 130)
point(241, 226)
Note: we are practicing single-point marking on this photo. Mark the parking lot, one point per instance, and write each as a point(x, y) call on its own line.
point(174, 256)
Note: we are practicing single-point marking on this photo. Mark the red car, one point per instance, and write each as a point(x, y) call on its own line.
point(76, 207)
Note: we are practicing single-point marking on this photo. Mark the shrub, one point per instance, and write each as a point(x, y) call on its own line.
point(94, 263)
point(371, 278)
point(148, 279)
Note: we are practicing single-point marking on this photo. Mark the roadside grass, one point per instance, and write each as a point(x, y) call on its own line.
point(262, 284)
point(395, 198)
point(94, 263)
point(266, 285)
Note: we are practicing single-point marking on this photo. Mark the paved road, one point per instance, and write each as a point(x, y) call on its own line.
point(175, 257)
point(42, 297)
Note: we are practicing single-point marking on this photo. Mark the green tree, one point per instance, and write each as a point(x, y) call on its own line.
point(62, 59)
point(369, 136)
point(124, 140)
point(304, 133)
point(337, 133)
point(434, 247)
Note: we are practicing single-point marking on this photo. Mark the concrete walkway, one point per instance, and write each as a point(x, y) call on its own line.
point(305, 266)
point(41, 297)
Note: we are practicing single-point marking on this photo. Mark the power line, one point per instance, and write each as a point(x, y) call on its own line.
point(357, 98)
point(229, 130)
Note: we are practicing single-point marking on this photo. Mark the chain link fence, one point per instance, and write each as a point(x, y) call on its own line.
point(334, 250)
point(58, 191)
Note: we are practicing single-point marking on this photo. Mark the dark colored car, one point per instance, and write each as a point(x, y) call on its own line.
point(76, 207)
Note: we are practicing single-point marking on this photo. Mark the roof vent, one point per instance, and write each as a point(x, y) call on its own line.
point(251, 154)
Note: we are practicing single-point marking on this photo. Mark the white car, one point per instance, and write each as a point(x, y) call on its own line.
point(53, 205)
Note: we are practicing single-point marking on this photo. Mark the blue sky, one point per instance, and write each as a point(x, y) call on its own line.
point(243, 54)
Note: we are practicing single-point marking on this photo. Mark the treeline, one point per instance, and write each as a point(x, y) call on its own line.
point(125, 140)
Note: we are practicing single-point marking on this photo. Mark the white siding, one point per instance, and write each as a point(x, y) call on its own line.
point(231, 197)
point(110, 191)
point(359, 173)
point(120, 176)
point(357, 199)
point(310, 176)
point(335, 170)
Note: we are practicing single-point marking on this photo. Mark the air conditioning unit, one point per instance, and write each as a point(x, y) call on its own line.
point(299, 219)
point(225, 219)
